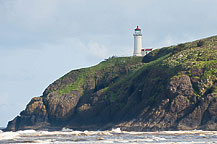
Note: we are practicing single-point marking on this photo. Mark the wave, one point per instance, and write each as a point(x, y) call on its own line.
point(8, 135)
point(116, 130)
point(116, 135)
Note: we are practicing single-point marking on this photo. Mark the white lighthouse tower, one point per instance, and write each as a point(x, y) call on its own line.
point(137, 42)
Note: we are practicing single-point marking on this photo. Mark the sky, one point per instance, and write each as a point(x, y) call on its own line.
point(41, 40)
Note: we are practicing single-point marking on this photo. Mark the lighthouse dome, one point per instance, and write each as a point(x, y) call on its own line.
point(137, 29)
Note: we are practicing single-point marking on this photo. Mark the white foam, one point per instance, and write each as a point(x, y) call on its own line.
point(66, 130)
point(113, 136)
point(48, 141)
point(159, 138)
point(104, 133)
point(142, 140)
point(117, 130)
point(88, 133)
point(188, 132)
point(8, 135)
point(53, 132)
point(136, 133)
point(27, 132)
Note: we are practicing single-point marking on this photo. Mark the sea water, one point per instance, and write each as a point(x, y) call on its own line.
point(115, 136)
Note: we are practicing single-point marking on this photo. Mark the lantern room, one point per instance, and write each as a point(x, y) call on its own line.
point(138, 32)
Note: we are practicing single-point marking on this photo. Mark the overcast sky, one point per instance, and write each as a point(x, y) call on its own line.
point(41, 40)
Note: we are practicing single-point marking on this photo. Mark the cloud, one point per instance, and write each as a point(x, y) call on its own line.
point(26, 22)
point(97, 50)
point(30, 14)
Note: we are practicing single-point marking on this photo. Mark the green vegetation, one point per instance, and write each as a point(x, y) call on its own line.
point(199, 60)
point(196, 59)
point(76, 85)
point(111, 66)
point(113, 97)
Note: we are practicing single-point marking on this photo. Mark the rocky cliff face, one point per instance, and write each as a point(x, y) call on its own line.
point(170, 88)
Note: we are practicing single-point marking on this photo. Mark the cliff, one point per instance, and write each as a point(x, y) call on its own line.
point(172, 88)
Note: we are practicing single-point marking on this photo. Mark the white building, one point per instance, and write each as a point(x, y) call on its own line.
point(137, 42)
point(138, 50)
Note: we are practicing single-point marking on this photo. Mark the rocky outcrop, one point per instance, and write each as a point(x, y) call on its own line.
point(172, 88)
point(34, 114)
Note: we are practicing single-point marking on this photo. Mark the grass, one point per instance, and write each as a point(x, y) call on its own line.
point(130, 63)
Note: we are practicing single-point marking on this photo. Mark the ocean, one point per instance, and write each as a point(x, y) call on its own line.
point(114, 136)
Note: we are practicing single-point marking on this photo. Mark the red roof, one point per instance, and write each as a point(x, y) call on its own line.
point(148, 49)
point(137, 28)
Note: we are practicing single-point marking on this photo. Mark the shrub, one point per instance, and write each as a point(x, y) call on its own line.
point(200, 43)
point(181, 45)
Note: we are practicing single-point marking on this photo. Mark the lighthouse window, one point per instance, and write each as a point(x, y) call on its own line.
point(138, 32)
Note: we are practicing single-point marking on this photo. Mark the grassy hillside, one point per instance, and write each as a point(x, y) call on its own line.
point(170, 88)
point(196, 59)
point(113, 67)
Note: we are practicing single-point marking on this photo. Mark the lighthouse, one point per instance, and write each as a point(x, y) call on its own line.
point(137, 42)
point(138, 50)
